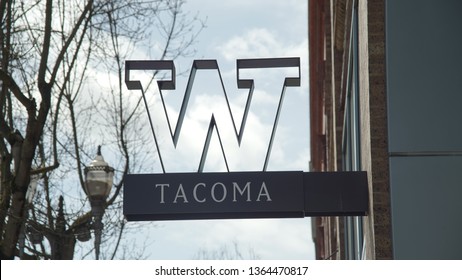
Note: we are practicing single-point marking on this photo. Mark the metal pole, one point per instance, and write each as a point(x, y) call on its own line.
point(97, 209)
point(98, 229)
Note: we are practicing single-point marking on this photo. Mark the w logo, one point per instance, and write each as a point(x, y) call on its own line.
point(199, 65)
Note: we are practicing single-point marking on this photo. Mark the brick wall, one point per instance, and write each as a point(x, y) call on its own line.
point(330, 23)
point(374, 127)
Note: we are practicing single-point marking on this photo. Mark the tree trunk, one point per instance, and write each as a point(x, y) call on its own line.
point(13, 227)
point(21, 179)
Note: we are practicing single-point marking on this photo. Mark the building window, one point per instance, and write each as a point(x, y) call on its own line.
point(351, 153)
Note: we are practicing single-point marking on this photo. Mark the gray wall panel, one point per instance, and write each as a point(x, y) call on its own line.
point(424, 75)
point(424, 91)
point(427, 207)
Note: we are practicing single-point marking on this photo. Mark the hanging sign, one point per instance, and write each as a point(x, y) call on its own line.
point(182, 196)
point(174, 196)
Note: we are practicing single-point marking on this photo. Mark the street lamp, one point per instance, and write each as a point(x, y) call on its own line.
point(98, 184)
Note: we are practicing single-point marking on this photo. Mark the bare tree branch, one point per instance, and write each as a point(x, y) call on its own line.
point(69, 47)
point(46, 44)
point(69, 40)
point(11, 84)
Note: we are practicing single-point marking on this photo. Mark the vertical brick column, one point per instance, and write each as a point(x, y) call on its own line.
point(374, 132)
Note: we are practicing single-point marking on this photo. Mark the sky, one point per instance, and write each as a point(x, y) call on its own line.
point(237, 29)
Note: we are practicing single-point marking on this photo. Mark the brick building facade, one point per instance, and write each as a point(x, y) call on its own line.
point(353, 119)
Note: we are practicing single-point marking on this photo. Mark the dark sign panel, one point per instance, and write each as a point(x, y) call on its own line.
point(336, 193)
point(177, 196)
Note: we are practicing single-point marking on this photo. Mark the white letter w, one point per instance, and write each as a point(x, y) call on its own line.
point(169, 84)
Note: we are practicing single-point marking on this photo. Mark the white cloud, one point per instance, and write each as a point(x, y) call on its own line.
point(254, 43)
point(268, 238)
point(261, 42)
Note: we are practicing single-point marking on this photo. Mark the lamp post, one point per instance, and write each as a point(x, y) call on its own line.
point(98, 184)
